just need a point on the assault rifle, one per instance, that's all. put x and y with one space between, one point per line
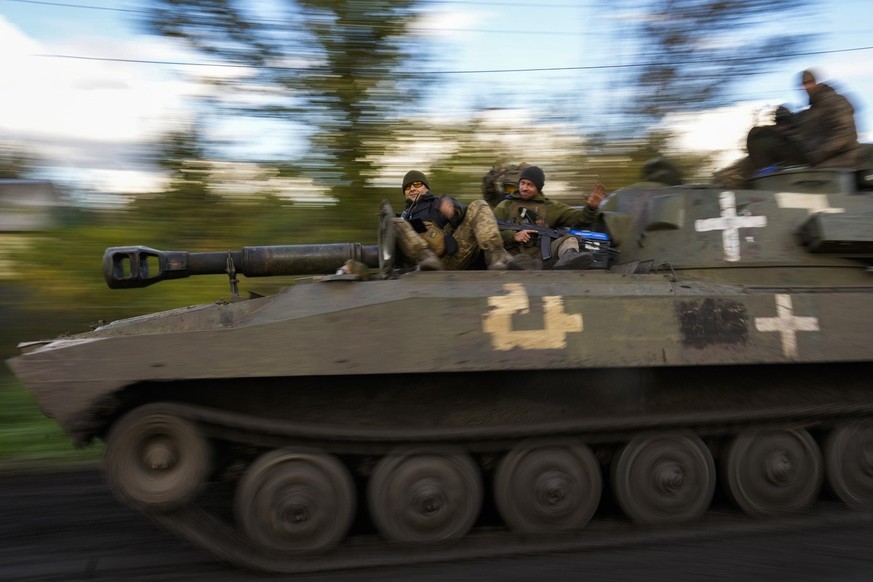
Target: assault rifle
547 235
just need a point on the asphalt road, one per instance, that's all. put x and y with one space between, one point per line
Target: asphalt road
67 526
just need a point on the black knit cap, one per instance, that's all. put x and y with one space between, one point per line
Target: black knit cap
535 175
414 176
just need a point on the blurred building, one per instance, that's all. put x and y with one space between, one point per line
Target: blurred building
26 207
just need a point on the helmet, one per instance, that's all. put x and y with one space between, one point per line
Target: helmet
501 180
662 170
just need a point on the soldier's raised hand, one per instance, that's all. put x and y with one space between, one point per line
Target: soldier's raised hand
598 193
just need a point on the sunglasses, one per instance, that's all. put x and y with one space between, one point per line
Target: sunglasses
414 185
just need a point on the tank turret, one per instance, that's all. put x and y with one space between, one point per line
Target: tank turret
723 356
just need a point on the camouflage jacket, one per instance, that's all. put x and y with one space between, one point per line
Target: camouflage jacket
548 213
826 131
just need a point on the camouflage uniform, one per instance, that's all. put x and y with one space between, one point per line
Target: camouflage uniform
826 131
548 213
822 136
471 229
774 145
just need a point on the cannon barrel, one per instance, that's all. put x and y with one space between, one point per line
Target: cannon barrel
139 266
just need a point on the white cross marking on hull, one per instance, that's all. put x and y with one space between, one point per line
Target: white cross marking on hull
787 324
730 224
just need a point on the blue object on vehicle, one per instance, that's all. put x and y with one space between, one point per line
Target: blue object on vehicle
590 234
767 171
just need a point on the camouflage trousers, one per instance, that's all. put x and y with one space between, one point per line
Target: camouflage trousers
557 247
477 232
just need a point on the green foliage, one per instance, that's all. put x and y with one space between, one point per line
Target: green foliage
15 162
619 164
192 214
27 438
574 163
333 63
189 171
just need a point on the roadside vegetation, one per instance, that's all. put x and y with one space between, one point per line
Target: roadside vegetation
30 440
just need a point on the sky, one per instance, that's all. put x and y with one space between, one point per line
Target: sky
91 119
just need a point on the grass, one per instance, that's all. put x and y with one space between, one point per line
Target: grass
29 439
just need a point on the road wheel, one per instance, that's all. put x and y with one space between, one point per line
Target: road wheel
295 501
548 487
425 495
664 478
848 457
155 461
769 472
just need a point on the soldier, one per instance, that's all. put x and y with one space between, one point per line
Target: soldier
662 171
657 172
775 145
821 136
442 233
527 204
826 129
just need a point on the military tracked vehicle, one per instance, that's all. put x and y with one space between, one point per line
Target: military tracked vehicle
385 416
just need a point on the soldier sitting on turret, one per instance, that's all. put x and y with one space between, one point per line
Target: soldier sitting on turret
528 204
442 233
821 136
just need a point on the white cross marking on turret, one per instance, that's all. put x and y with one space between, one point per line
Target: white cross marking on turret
787 324
730 224
812 203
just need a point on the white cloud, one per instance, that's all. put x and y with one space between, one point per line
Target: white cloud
14 44
72 112
448 22
721 131
127 181
59 98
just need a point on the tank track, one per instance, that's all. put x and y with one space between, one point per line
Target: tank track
201 525
221 539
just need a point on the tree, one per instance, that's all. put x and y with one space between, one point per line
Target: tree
183 157
187 210
333 63
15 162
692 52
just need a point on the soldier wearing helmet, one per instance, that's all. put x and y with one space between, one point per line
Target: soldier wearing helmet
501 181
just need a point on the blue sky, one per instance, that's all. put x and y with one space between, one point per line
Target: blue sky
91 118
